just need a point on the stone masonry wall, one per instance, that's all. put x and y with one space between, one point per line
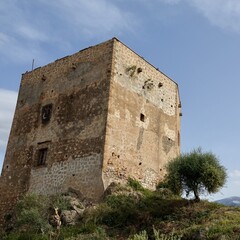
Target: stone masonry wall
76 88
61 176
142 126
100 115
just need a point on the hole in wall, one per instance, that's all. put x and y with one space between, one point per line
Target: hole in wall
139 70
140 164
66 156
162 99
7 166
73 175
142 117
160 169
44 77
74 66
160 85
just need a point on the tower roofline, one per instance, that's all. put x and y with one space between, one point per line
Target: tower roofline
114 38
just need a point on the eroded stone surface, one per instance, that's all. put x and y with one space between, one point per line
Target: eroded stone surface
100 115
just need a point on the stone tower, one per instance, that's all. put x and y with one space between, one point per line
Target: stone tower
100 115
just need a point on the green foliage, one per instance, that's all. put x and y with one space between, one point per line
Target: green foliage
140 236
162 236
157 236
97 234
60 201
134 184
32 214
130 213
121 210
195 172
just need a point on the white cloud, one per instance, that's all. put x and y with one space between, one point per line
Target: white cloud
29 29
7 107
92 17
221 13
170 1
235 174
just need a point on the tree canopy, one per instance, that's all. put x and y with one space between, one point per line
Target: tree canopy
195 172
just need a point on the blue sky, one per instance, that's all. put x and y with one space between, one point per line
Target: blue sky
195 42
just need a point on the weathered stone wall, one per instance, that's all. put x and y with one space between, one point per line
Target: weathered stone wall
143 120
77 89
88 119
64 175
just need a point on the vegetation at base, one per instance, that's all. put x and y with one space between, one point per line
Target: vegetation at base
195 172
130 212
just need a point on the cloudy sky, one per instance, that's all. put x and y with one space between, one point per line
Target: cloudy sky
195 42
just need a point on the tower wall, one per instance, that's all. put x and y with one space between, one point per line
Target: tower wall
58 132
143 120
100 115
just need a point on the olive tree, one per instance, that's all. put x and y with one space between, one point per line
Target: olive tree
195 172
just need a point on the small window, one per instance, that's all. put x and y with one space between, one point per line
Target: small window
42 156
46 113
142 117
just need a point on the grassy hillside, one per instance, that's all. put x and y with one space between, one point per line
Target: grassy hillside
128 212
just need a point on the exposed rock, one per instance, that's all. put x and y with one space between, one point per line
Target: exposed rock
75 213
69 217
55 219
118 189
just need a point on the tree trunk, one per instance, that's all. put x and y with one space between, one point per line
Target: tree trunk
196 195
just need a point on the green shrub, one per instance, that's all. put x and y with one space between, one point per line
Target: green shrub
99 234
60 201
140 236
32 214
170 236
135 185
122 211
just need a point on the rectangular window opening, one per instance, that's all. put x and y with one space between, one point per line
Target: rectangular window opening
46 113
42 156
142 117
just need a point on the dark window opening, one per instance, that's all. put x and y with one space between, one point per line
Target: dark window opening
46 113
142 117
42 156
